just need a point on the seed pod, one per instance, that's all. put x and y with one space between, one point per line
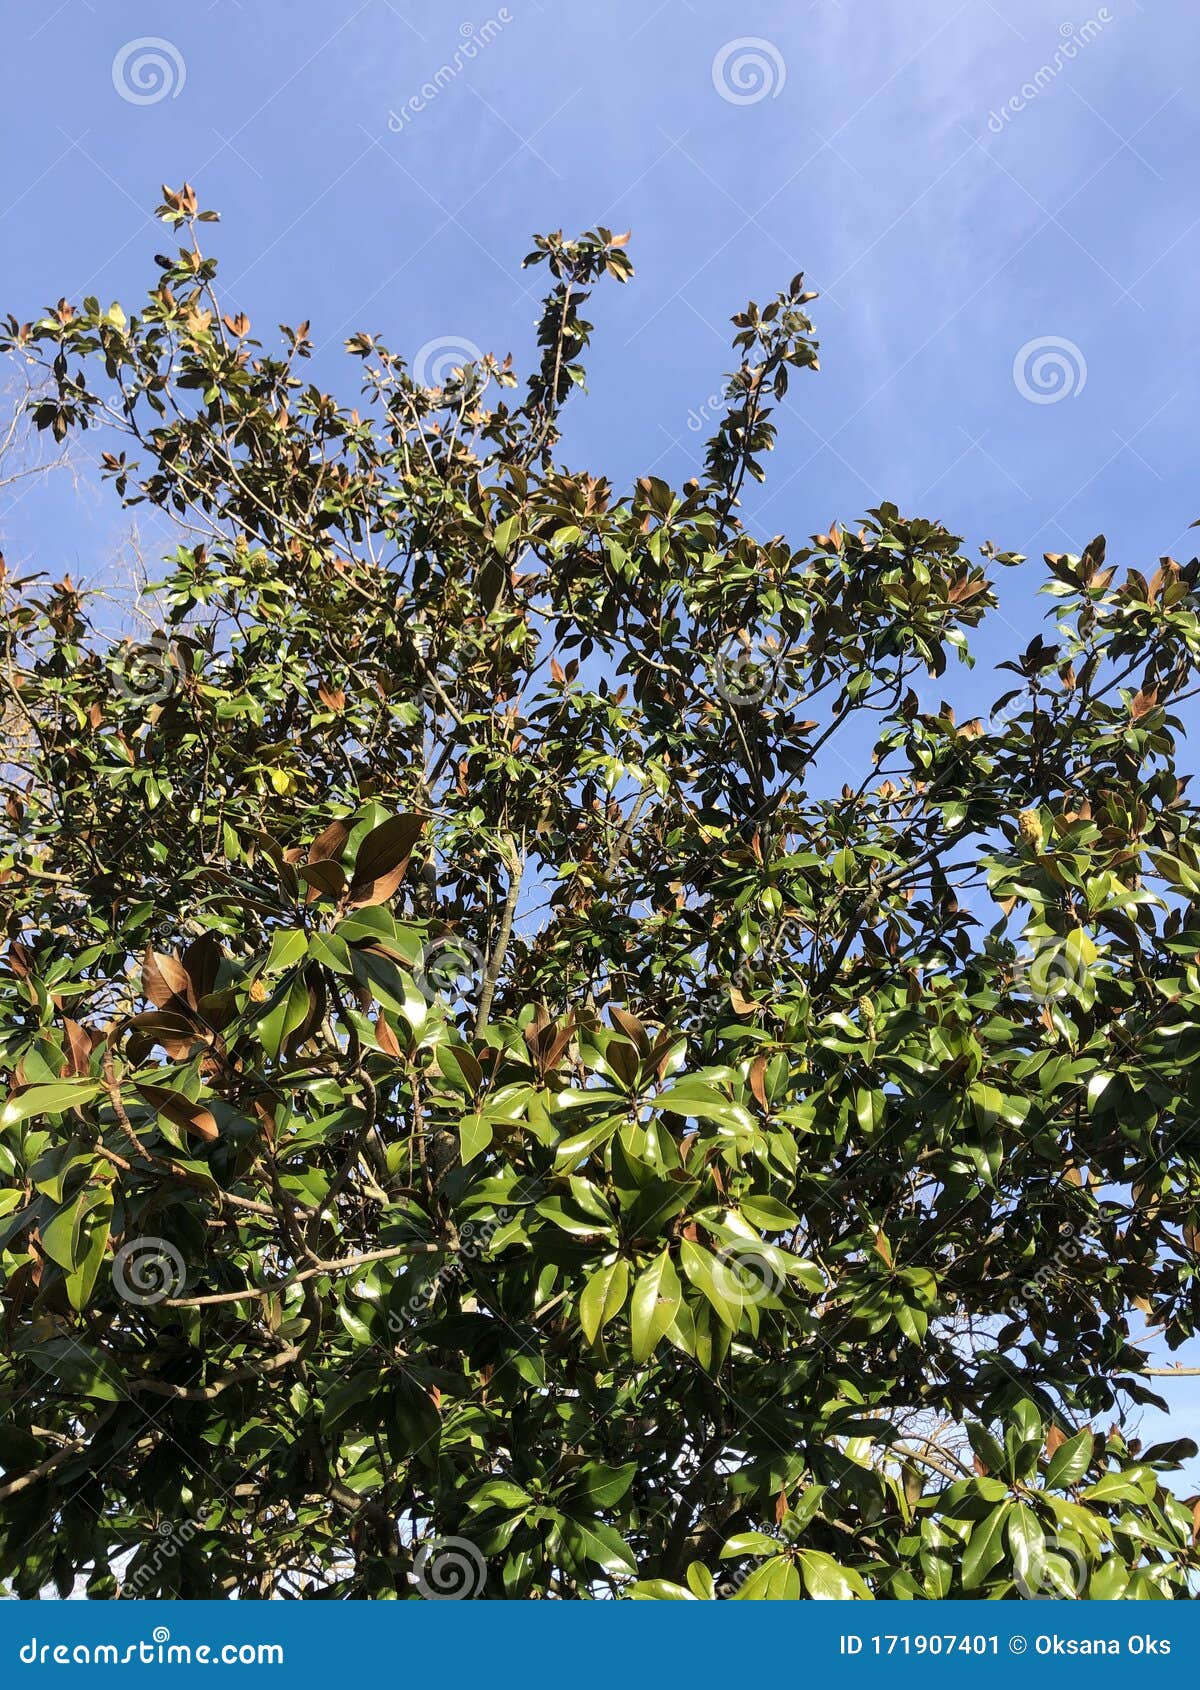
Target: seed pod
1029 827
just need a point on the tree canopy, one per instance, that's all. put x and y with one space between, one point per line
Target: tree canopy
489 1111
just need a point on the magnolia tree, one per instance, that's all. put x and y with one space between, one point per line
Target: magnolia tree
487 1114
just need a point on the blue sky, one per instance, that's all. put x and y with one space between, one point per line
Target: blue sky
871 160
997 201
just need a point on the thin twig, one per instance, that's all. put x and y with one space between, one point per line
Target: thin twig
413 1247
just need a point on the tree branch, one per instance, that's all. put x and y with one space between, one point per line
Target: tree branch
495 963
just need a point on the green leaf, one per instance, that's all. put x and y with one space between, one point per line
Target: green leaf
567 1212
986 1448
603 1297
658 1590
286 1014
505 533
91 1247
288 947
60 1236
700 1582
355 1325
1026 1421
749 1543
576 1147
474 1136
1070 1461
694 1101
501 1493
777 1580
1115 1487
598 1542
1108 1581
604 1486
940 1552
767 1213
80 1367
656 1298
827 1581
914 1323
985 1547
700 1267
26 1102
1025 1538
